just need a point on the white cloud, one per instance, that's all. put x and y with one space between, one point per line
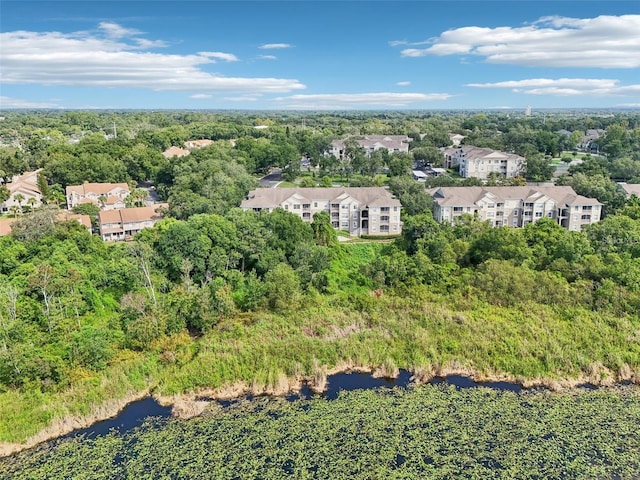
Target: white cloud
356 100
267 57
243 98
629 105
199 96
271 46
403 84
9 102
87 60
227 57
601 42
597 87
114 30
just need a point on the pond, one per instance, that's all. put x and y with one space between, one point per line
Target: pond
136 413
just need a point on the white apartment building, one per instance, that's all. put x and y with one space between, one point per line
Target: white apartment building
108 196
371 143
357 210
516 206
480 162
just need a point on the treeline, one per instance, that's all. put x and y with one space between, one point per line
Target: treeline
596 269
70 302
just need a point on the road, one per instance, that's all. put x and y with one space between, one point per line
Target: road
272 179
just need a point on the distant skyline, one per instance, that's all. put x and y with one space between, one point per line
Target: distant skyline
319 55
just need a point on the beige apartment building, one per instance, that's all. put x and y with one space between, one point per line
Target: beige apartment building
123 224
108 196
372 143
481 162
516 206
357 210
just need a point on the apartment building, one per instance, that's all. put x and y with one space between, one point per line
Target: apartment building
480 162
371 143
124 223
23 191
108 196
357 210
516 206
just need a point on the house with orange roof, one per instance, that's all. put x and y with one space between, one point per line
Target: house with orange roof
197 143
123 224
22 189
108 196
175 152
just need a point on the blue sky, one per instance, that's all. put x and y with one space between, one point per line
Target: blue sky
319 55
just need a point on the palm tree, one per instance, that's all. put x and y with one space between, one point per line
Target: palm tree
18 197
14 210
32 202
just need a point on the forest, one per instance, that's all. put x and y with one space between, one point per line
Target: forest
213 296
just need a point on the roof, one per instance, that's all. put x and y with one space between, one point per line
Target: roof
96 188
25 183
630 188
477 153
272 197
198 143
131 215
175 152
83 219
468 196
377 141
419 174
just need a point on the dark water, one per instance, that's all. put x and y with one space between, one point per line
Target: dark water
134 414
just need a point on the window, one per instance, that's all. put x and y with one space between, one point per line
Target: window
355 224
538 214
286 207
306 215
344 215
335 205
315 204
499 205
296 206
384 228
345 224
374 218
489 214
528 205
550 214
515 212
306 206
384 209
491 205
395 209
587 208
527 214
395 228
515 222
457 209
355 207
585 217
345 207
355 215
384 218
374 209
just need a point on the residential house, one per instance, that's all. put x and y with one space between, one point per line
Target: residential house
23 191
172 152
357 210
372 143
197 143
516 206
630 189
589 142
123 224
456 139
480 162
108 196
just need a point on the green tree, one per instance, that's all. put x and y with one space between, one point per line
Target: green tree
324 234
